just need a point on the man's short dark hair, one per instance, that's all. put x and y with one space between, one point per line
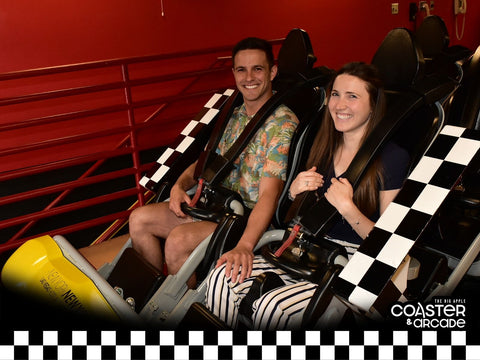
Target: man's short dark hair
253 43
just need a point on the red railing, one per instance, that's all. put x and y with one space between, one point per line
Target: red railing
63 127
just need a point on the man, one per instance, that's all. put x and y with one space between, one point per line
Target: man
258 175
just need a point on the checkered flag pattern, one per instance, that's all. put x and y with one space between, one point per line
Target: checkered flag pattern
394 290
183 141
212 345
370 270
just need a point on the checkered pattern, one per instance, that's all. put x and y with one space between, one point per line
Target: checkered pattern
186 138
213 345
369 272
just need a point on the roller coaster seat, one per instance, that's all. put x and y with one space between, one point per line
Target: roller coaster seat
464 107
409 91
434 40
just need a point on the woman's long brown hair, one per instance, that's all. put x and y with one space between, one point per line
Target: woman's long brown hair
328 139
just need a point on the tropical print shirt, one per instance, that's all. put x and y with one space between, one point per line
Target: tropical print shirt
265 156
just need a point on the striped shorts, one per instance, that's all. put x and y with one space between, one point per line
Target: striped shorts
279 309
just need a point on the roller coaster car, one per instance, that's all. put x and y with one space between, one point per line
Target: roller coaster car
298 85
393 263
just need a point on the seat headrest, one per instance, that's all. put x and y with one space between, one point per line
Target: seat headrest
296 54
399 59
432 36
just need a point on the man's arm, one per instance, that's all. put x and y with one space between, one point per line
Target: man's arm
178 193
258 222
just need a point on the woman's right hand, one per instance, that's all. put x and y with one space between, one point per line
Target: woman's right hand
308 180
177 197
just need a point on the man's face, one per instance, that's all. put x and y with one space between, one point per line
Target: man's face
253 76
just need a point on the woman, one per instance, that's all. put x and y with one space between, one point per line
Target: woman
356 103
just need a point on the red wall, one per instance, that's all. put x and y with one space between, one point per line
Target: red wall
44 33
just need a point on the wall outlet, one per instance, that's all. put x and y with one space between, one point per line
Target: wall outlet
394 8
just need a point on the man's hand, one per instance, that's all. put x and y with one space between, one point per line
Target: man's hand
239 263
178 194
177 197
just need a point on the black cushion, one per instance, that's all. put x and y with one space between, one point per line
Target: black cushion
399 59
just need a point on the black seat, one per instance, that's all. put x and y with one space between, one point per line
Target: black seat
295 63
464 109
414 101
432 36
296 57
434 40
409 92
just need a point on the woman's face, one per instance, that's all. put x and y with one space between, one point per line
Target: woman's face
349 104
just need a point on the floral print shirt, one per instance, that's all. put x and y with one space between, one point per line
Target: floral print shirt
265 156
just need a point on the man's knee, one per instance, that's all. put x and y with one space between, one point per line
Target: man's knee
140 218
135 220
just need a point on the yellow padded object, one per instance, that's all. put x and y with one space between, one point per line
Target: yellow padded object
39 268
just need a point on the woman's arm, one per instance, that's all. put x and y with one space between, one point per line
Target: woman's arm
340 195
308 180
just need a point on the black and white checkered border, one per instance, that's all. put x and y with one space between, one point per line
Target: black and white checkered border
184 140
127 345
371 268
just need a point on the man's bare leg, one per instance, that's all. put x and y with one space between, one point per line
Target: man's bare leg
148 224
182 241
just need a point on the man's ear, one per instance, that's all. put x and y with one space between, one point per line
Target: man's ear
273 72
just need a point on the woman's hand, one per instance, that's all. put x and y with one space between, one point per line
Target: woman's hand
306 181
340 195
238 263
177 197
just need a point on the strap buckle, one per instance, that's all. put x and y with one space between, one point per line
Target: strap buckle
198 193
294 233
